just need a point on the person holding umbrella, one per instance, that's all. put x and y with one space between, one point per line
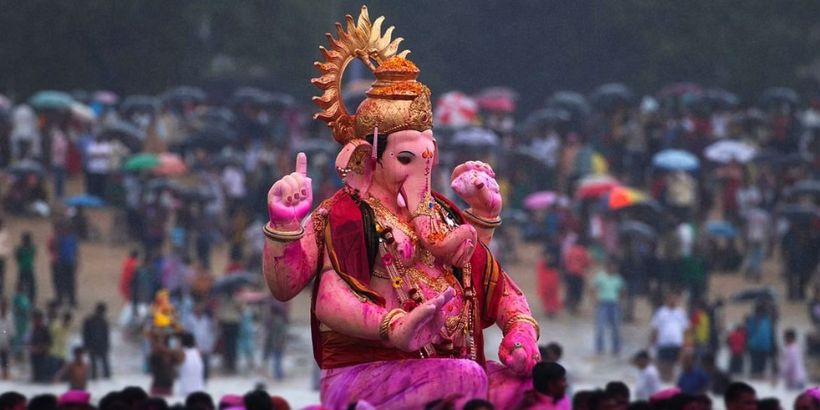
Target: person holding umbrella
576 263
98 166
59 155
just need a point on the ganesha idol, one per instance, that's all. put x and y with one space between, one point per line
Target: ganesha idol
403 280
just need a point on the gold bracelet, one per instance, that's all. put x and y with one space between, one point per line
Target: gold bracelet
482 222
523 318
281 236
387 320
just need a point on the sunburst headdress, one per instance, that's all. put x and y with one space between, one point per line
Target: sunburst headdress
395 101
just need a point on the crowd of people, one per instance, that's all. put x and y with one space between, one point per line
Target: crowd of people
550 391
627 199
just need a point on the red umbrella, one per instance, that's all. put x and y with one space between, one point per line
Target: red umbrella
596 186
501 99
454 109
170 164
622 197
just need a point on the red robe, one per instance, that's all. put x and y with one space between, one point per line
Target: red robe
345 230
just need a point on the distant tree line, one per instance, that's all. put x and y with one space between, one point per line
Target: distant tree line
534 46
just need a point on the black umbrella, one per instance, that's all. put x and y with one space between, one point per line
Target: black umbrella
637 229
139 103
805 187
719 98
219 117
195 194
226 159
755 295
27 167
124 132
649 209
545 117
159 184
778 158
278 100
779 96
247 95
797 212
611 95
184 94
231 282
570 101
212 139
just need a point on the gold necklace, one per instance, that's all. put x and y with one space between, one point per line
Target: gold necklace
386 216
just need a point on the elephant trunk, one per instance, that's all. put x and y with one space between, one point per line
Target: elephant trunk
454 247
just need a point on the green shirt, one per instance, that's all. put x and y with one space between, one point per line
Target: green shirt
607 287
25 258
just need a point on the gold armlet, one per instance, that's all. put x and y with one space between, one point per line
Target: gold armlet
523 318
282 236
387 320
482 222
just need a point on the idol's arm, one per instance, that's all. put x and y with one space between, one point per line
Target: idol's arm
291 253
519 348
342 310
289 266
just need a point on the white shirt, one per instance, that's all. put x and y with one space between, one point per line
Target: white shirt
191 372
234 182
99 157
648 383
686 236
792 369
202 328
670 325
757 226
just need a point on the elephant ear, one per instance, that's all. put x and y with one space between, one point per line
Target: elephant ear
355 165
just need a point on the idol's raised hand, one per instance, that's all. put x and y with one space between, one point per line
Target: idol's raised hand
291 197
474 182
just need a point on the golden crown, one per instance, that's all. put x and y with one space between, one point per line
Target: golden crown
395 101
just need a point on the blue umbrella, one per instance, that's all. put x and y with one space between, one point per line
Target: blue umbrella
44 100
721 229
675 160
84 200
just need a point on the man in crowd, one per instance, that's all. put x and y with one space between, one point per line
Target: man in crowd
66 259
549 387
39 346
96 341
740 396
669 324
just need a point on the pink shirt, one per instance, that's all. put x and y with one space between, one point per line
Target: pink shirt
59 149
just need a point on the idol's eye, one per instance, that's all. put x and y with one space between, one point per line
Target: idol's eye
405 157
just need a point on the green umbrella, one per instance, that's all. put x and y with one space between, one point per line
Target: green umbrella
141 162
45 100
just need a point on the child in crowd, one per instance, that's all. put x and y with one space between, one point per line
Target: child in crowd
549 285
75 371
737 348
649 381
792 369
